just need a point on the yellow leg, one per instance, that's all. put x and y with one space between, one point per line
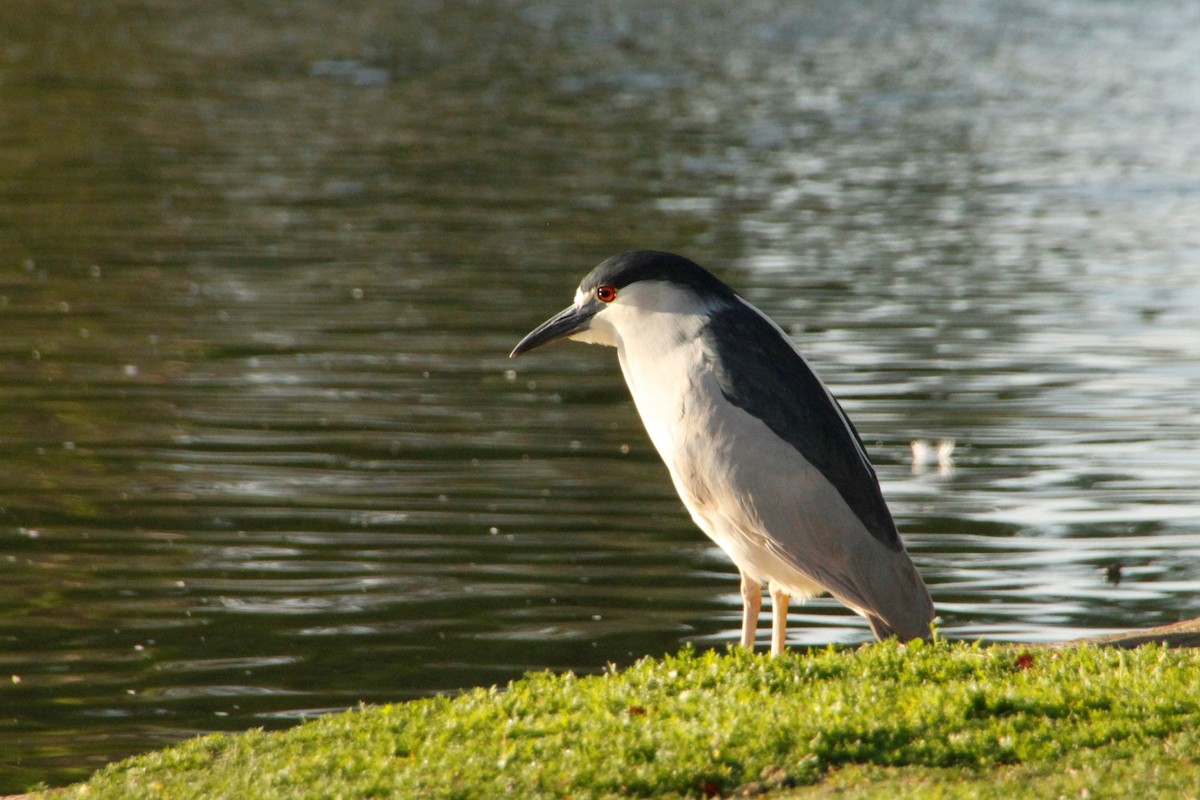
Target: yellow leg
751 603
779 609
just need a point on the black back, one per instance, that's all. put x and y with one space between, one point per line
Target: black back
761 373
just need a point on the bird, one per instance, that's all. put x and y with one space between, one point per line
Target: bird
941 453
761 453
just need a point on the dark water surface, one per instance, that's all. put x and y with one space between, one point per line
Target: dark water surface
263 454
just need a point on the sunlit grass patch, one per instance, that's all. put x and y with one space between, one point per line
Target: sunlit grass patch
882 720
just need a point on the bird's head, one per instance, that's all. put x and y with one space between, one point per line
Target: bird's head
619 298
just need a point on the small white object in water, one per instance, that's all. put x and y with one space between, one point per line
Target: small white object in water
925 453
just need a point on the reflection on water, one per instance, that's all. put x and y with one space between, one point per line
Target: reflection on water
264 455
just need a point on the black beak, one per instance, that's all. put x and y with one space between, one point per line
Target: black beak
561 325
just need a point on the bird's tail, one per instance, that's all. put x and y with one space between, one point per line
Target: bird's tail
883 630
913 620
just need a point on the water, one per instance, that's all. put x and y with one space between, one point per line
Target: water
263 455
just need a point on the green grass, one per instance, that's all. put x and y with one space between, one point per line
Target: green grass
941 720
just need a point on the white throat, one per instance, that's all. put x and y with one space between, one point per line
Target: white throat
655 327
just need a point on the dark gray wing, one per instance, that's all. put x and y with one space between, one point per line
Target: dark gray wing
760 372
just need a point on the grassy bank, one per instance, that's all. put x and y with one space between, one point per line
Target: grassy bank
943 720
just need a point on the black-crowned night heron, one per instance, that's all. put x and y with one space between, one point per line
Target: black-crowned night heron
761 453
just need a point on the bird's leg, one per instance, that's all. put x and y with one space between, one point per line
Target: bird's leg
751 603
779 608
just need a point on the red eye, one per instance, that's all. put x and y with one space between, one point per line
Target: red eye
606 294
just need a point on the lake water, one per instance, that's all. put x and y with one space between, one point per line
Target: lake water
263 454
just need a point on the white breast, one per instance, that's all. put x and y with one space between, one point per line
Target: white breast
675 393
662 363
